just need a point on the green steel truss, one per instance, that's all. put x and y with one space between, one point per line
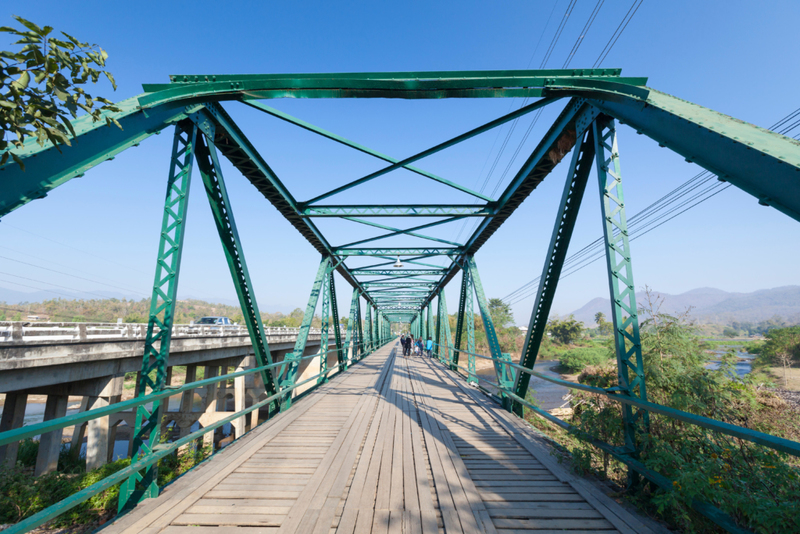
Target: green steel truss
147 430
624 311
591 100
580 167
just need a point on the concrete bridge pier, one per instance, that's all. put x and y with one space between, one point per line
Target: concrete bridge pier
13 417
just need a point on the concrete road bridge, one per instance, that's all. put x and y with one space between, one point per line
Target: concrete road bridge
88 362
380 443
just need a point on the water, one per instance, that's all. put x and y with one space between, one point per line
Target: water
547 394
743 366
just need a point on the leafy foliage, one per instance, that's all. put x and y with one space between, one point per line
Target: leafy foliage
565 331
755 485
577 359
782 347
41 86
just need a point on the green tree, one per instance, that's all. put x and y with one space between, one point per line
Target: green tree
603 327
565 331
501 313
41 86
783 347
730 332
134 318
344 321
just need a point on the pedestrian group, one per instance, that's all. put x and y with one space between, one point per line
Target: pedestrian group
418 346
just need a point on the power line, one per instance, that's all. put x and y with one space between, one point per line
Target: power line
618 32
67 274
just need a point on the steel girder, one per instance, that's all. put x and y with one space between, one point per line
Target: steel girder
147 427
462 303
291 362
580 167
624 311
399 210
351 335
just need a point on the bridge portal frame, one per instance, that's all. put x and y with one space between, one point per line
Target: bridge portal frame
735 151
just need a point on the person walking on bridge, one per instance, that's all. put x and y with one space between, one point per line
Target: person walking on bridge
403 343
429 348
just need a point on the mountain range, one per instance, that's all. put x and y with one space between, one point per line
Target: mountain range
710 305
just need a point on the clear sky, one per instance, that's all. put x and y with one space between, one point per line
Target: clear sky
737 57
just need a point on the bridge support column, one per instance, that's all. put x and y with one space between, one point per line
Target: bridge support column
578 176
292 360
624 311
240 398
99 440
505 375
147 426
210 402
351 336
50 443
13 417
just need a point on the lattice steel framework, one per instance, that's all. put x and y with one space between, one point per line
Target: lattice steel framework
735 151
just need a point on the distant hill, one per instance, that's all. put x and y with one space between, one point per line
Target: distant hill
710 305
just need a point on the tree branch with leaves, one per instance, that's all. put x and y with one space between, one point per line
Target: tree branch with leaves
41 87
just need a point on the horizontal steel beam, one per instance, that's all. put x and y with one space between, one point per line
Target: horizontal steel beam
401 272
397 251
397 210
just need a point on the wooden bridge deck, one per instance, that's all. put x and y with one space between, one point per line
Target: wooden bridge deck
395 445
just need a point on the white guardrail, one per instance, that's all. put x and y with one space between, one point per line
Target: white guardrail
37 332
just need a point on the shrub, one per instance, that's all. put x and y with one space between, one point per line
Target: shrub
577 359
755 485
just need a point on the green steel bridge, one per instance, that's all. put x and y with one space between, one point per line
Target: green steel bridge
359 453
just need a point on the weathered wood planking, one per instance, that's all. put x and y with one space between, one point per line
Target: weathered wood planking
395 445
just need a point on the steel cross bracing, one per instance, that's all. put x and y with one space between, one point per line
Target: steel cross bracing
737 152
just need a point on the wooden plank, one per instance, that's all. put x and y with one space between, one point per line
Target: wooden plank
544 513
469 494
239 520
596 524
380 522
323 479
620 518
354 515
239 509
217 530
157 513
456 513
396 484
387 443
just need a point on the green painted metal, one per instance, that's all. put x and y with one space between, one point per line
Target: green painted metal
737 152
398 210
147 430
462 303
325 321
401 231
578 176
337 331
396 251
430 322
469 320
351 336
368 329
441 146
339 139
221 209
505 375
292 360
361 342
402 272
620 280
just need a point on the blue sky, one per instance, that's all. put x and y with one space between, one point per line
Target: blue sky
736 57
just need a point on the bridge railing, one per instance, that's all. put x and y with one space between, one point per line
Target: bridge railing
38 332
164 449
444 354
